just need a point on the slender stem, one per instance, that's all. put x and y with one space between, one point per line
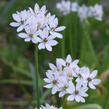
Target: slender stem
37 77
63 41
90 44
75 38
63 47
70 35
63 102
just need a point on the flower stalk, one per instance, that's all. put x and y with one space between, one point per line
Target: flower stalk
37 77
88 40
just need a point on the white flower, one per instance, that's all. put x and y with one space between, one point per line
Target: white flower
47 106
89 78
38 10
46 41
69 73
37 21
77 93
30 35
54 68
67 62
96 11
20 18
83 12
52 27
64 7
63 85
52 80
75 7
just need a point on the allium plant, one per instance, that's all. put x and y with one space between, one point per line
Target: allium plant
95 11
41 28
68 78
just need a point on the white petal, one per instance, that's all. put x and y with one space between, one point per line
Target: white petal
36 8
54 90
82 99
22 35
95 81
45 32
41 46
77 98
68 59
56 21
55 34
93 74
20 28
92 86
70 91
48 86
53 42
52 66
61 28
48 47
51 37
60 61
31 10
43 9
14 24
16 17
70 98
47 80
27 39
75 62
34 41
37 38
50 75
61 94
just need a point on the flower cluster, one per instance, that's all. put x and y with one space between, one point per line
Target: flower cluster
68 78
83 11
38 26
47 106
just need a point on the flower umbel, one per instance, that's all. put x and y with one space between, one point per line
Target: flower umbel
68 78
38 26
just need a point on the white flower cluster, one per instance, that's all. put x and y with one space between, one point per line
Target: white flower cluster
68 78
47 106
38 26
83 11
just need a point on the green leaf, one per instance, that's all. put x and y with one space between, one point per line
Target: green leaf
89 106
15 81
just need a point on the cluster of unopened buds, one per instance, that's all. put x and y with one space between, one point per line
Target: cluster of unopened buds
38 26
68 78
83 11
47 106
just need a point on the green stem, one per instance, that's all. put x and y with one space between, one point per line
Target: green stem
63 47
63 42
20 103
70 34
90 44
37 78
15 81
63 102
75 39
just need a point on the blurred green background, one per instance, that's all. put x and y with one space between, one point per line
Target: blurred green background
90 44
